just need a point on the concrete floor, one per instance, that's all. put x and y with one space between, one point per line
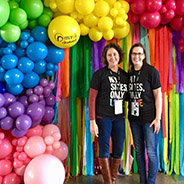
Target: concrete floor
133 179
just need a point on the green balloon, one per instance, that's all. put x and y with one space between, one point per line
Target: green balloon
10 33
4 12
32 23
48 12
17 16
33 8
24 25
13 4
44 20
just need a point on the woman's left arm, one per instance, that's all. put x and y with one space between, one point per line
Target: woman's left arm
158 104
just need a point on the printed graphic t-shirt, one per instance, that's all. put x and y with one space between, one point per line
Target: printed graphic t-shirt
110 86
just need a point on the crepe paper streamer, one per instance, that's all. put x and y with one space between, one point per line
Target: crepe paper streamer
151 41
135 168
136 33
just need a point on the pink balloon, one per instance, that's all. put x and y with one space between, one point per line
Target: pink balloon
50 129
132 17
45 164
62 151
150 20
167 17
1 179
11 178
49 140
182 32
6 167
37 130
5 147
154 5
171 5
35 146
180 7
20 171
163 9
177 23
17 163
138 6
22 156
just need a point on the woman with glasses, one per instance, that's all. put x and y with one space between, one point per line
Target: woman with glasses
145 106
106 113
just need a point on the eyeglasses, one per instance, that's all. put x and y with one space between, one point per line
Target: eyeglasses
137 54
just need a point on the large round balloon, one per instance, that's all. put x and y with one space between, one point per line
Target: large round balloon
64 31
45 164
9 61
14 89
25 65
16 109
65 6
4 12
31 79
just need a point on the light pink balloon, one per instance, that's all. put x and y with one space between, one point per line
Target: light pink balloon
6 167
11 178
37 130
35 146
49 140
61 152
50 129
153 5
20 171
45 164
5 147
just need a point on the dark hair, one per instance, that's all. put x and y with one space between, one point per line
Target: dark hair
116 47
130 59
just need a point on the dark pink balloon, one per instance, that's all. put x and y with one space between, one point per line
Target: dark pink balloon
50 100
16 109
138 7
154 5
24 100
35 111
132 17
44 82
180 7
163 9
5 147
3 112
177 23
33 98
171 5
7 123
150 20
23 122
2 100
12 178
9 98
38 90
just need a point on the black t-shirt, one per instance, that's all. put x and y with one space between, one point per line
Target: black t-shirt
110 86
141 86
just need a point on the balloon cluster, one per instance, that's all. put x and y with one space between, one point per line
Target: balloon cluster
103 18
17 16
23 61
151 13
18 155
34 107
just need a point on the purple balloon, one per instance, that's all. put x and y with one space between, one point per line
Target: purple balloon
7 123
2 100
18 133
9 98
41 97
50 100
51 85
33 98
23 122
49 114
44 82
29 92
16 109
35 111
3 112
42 102
24 100
46 91
35 123
38 90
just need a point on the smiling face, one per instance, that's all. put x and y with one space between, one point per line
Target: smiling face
113 58
137 57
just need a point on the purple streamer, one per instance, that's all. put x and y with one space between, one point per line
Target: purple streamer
97 48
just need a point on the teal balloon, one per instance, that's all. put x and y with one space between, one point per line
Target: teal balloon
10 33
13 76
30 80
4 12
17 16
33 8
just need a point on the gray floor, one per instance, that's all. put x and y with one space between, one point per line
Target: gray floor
133 179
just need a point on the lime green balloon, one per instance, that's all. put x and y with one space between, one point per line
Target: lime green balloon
4 12
33 8
32 23
13 4
48 12
24 25
17 16
44 20
10 33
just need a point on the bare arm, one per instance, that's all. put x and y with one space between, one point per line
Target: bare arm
158 104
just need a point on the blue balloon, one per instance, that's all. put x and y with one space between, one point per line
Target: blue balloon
24 44
49 72
12 46
50 66
40 67
39 33
14 89
20 52
25 65
2 69
55 55
14 76
30 80
9 61
2 76
24 35
36 51
7 50
56 68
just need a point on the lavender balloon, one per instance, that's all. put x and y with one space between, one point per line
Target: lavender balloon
29 92
7 123
2 100
3 112
49 114
16 109
24 100
38 90
9 98
46 91
51 85
50 100
33 98
23 122
44 82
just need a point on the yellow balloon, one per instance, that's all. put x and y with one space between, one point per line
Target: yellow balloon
53 5
101 8
121 32
110 2
108 35
74 14
105 23
90 20
120 21
84 30
65 6
125 5
64 31
95 34
114 12
85 7
117 5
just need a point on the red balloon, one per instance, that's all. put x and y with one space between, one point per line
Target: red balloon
180 7
177 23
154 5
138 7
171 5
170 14
132 17
182 32
150 20
163 9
